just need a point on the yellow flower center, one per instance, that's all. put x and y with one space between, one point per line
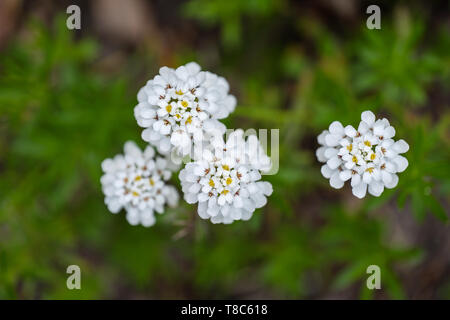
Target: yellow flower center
225 191
370 170
225 167
350 147
229 181
367 143
152 182
134 193
184 103
179 92
169 108
138 178
189 120
355 159
372 156
211 183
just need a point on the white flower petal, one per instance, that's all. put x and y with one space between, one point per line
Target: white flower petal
360 190
401 146
335 181
376 188
368 117
401 162
334 162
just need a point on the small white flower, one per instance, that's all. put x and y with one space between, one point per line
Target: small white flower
367 156
136 181
225 181
181 107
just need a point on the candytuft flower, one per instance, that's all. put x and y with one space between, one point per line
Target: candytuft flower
136 181
367 156
225 181
181 107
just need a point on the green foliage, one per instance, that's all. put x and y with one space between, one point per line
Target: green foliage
231 14
61 114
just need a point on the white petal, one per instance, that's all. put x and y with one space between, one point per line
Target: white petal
237 202
259 200
132 149
360 190
114 206
389 132
108 165
350 131
368 117
332 140
363 127
378 129
326 171
386 177
330 152
182 73
367 177
320 154
265 187
193 68
401 162
321 137
401 146
334 162
202 207
335 181
393 182
356 179
221 201
345 175
202 197
336 128
376 188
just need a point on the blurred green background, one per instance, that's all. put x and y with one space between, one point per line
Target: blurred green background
66 103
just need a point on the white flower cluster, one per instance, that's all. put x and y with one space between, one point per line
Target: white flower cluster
180 110
225 180
181 107
136 181
367 155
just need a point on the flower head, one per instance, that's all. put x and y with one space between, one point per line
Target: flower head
136 181
367 156
181 107
225 181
